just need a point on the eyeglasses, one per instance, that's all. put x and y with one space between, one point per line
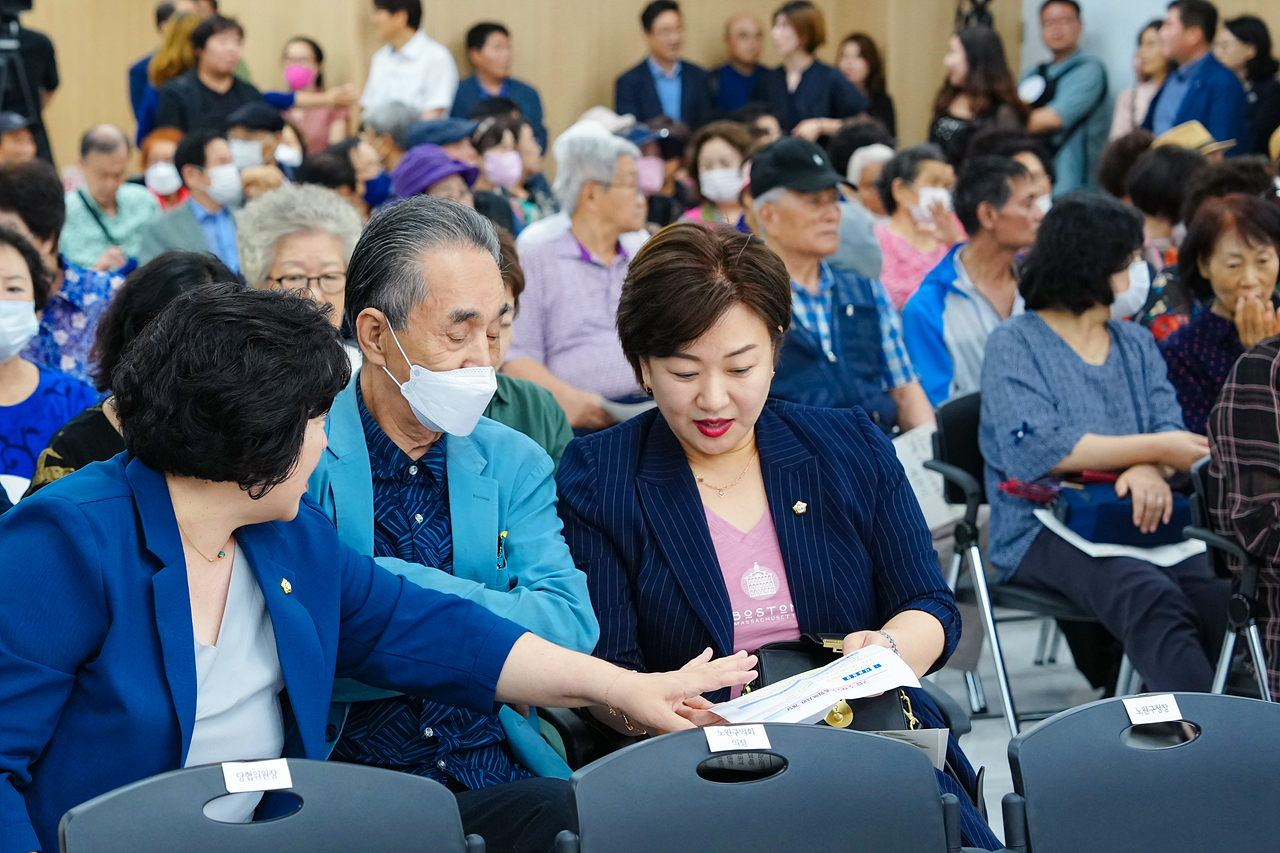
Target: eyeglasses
331 282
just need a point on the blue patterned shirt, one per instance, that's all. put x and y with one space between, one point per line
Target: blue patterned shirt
411 521
70 320
813 312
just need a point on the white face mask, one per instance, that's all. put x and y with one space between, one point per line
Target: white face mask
721 185
245 153
224 183
162 178
1045 202
449 401
287 155
929 196
1131 300
18 325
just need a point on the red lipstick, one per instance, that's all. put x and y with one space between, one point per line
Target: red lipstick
714 428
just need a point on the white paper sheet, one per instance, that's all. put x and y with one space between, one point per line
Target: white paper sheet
626 411
914 447
1165 555
807 697
932 741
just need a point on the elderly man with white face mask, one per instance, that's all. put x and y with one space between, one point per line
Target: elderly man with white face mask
414 476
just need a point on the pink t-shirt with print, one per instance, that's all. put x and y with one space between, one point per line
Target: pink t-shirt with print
751 563
904 266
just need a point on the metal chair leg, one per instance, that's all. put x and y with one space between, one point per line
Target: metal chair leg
1129 681
1224 662
953 576
1043 643
1259 660
1054 643
989 623
977 696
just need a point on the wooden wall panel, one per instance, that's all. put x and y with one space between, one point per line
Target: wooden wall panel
570 49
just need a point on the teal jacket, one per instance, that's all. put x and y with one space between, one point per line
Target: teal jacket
499 481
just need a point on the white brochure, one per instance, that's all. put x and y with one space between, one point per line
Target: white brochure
807 697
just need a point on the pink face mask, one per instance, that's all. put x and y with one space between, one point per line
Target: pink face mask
505 169
651 174
299 77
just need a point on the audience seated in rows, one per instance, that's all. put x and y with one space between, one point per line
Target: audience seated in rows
974 288
426 464
159 174
429 170
1027 149
32 203
565 338
93 435
1065 388
386 128
1229 263
844 347
1155 186
451 134
205 223
714 159
663 84
34 400
106 217
686 519
489 51
915 187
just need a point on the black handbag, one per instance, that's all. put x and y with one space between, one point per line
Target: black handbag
888 712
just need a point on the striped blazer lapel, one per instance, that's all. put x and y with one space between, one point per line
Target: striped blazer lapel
671 505
793 483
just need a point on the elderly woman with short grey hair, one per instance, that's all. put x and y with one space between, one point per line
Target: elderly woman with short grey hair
299 237
565 339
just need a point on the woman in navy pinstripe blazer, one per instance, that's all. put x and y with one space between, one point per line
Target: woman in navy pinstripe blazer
724 520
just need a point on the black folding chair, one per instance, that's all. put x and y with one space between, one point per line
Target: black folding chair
1244 600
815 789
958 458
1089 780
344 807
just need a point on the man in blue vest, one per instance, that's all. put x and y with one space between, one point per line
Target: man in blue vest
845 346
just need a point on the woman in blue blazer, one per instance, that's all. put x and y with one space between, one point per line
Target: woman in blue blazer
157 605
724 519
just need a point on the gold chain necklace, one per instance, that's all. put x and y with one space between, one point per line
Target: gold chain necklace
192 543
722 489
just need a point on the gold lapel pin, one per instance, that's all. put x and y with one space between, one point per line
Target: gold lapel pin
286 586
800 507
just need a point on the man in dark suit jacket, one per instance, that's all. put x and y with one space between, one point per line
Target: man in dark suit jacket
1201 88
663 84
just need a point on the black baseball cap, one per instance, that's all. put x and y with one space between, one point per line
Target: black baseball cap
794 163
9 122
256 115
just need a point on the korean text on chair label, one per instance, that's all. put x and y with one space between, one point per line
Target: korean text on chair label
726 738
1160 708
243 776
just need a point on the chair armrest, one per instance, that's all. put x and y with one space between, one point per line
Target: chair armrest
956 717
972 488
1014 809
1248 563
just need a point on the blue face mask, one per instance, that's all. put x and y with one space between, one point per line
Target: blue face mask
378 190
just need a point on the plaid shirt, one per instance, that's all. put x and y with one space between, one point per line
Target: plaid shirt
813 312
1244 479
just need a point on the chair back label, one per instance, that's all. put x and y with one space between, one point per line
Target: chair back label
243 777
726 738
1158 708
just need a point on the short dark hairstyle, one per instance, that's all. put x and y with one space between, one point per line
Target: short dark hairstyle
1117 159
191 150
806 19
1084 239
493 107
316 51
103 139
654 9
40 282
411 8
985 180
1072 3
210 27
855 134
997 141
1198 13
512 272
330 168
146 291
164 11
256 115
1158 181
750 113
221 384
1253 31
478 35
34 192
1256 221
1253 175
686 277
490 132
906 165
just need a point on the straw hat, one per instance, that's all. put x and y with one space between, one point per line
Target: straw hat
1193 135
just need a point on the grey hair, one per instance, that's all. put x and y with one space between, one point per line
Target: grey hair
588 153
103 139
394 119
774 195
285 211
386 268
